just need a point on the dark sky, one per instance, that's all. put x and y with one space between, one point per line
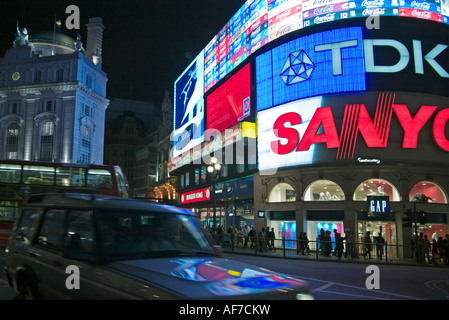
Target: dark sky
144 41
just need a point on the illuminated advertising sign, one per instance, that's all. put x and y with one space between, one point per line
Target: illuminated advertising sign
377 205
391 126
196 195
312 4
356 59
189 107
310 66
421 14
283 17
327 9
274 154
231 102
286 16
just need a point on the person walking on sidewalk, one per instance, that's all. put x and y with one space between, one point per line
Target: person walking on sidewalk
380 241
338 244
367 245
271 238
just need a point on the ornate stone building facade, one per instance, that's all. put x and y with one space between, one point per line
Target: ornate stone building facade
53 97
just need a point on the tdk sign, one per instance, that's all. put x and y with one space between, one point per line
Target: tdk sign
337 61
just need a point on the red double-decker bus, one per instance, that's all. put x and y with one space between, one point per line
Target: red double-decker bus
19 178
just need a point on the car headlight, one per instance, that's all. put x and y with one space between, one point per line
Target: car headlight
304 296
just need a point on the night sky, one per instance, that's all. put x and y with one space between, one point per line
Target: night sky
144 42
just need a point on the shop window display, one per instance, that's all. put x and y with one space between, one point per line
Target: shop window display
282 192
376 187
324 190
429 189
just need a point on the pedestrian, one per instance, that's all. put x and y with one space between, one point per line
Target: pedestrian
320 240
305 247
220 235
327 242
262 240
350 245
426 248
300 243
367 245
435 252
338 244
245 236
445 246
251 235
380 241
272 237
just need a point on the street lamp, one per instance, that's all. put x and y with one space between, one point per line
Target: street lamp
214 168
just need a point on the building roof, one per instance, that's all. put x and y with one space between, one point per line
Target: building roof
50 38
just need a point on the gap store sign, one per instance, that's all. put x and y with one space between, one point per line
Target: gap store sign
355 59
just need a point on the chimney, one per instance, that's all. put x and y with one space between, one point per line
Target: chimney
94 40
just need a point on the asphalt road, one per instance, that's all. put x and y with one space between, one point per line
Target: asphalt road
356 281
343 281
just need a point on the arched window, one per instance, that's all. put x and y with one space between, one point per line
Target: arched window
12 141
376 187
282 192
429 189
46 146
324 190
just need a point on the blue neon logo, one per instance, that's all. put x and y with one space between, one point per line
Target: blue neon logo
321 63
297 68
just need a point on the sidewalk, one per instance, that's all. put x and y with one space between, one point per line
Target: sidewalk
291 254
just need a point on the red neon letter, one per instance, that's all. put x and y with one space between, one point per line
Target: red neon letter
325 117
368 130
287 133
412 126
439 126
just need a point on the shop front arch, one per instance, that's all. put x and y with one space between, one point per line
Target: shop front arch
282 192
324 190
376 187
431 190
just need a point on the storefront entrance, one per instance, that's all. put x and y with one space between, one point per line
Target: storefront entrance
386 228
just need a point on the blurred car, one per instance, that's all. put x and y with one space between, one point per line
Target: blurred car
83 246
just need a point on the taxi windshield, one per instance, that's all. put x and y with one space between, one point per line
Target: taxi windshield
134 235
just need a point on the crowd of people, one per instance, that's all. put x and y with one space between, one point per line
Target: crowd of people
424 250
433 251
244 236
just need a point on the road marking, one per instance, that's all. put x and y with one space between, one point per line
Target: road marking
327 285
434 285
373 292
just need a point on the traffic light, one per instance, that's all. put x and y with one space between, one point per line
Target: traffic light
422 217
407 219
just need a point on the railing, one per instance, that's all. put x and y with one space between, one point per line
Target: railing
330 250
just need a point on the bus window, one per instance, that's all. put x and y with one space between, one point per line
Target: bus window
122 183
99 178
38 175
71 176
10 173
8 210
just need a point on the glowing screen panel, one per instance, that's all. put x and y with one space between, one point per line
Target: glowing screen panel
189 107
231 102
321 63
